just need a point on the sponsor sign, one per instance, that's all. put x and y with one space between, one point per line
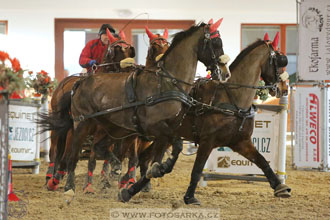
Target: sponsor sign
22 132
308 127
314 40
265 140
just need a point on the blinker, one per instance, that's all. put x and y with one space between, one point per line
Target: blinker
282 60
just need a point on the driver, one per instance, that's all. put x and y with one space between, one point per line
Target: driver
94 49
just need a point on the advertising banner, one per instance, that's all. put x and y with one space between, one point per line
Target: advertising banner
265 139
307 127
314 40
22 132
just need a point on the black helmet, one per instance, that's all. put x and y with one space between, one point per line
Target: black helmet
103 29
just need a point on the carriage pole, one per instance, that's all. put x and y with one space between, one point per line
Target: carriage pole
284 101
3 154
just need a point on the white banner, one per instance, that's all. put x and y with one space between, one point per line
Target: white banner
307 127
264 138
22 132
314 40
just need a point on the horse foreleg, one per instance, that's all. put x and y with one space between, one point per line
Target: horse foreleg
53 182
130 146
114 161
58 144
203 153
89 177
144 158
52 155
159 170
79 136
246 149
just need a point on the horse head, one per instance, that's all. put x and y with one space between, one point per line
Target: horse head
157 48
273 72
211 52
118 50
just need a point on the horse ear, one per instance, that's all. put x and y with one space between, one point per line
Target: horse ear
150 35
122 35
210 21
276 40
266 37
111 37
215 26
165 34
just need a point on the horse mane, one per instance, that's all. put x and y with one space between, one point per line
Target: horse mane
244 52
178 37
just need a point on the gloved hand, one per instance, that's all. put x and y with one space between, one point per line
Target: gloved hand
92 62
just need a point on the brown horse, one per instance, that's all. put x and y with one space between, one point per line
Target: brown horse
132 146
117 50
158 47
158 108
224 116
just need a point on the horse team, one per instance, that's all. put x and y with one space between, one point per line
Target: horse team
140 111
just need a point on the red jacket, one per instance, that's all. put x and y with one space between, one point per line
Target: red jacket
93 50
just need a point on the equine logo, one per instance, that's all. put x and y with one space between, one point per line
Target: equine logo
312 19
224 162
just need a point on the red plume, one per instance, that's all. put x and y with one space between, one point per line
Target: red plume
276 40
266 37
165 34
122 35
210 21
214 27
150 35
111 37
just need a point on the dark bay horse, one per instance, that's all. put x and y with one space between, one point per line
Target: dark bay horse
132 146
117 51
224 116
158 109
158 46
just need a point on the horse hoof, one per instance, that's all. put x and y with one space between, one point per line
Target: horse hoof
282 191
191 201
147 188
155 170
51 186
123 195
89 189
69 196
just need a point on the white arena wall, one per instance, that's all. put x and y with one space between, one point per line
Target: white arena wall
31 23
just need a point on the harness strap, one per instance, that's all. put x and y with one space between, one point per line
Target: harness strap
149 101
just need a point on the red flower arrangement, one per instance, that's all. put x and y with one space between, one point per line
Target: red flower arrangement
41 83
11 78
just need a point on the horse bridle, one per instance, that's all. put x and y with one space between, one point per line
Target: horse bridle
214 66
159 39
111 54
273 59
155 41
207 42
112 46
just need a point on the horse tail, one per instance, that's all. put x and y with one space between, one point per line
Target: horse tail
59 122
